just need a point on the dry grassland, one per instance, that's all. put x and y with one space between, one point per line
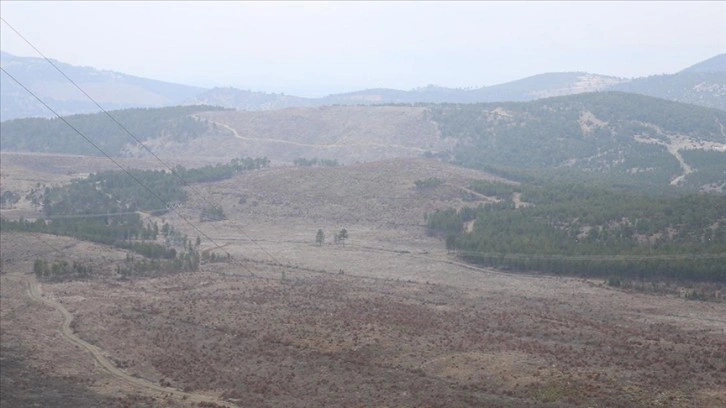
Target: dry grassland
386 320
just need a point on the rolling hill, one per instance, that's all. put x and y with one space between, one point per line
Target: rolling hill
714 64
701 84
112 90
631 138
538 86
614 137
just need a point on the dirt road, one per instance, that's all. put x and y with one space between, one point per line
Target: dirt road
320 146
35 293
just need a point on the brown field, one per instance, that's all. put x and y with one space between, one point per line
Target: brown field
387 320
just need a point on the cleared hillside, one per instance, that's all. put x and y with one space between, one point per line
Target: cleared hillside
345 133
376 193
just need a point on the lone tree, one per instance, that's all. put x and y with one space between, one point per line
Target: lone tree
320 237
341 236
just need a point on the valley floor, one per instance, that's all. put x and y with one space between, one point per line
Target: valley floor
387 320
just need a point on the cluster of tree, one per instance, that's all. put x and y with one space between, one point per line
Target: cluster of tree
221 171
338 237
572 229
211 256
172 237
302 162
114 192
138 190
127 232
151 250
60 270
9 198
212 213
156 259
107 230
54 135
184 262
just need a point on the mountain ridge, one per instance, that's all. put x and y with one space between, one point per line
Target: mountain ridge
702 84
111 89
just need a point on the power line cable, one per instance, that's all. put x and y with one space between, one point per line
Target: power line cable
125 129
136 179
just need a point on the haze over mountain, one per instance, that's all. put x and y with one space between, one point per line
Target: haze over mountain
715 64
702 84
112 90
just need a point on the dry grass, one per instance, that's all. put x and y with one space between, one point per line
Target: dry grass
404 325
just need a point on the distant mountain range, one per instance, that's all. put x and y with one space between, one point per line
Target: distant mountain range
702 84
112 90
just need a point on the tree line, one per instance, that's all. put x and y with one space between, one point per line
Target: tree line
104 208
589 231
54 135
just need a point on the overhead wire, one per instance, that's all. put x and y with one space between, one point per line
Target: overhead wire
127 131
134 178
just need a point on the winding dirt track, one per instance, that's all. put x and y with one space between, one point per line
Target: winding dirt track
36 294
321 146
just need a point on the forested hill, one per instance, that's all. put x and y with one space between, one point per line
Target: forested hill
626 138
55 136
587 231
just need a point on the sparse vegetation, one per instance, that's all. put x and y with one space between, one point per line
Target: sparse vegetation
402 315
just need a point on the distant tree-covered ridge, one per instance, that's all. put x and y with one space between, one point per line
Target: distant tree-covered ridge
55 136
627 138
572 229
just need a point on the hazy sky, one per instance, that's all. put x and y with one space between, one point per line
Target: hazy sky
316 48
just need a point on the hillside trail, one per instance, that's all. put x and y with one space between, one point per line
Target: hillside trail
673 146
322 146
36 294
